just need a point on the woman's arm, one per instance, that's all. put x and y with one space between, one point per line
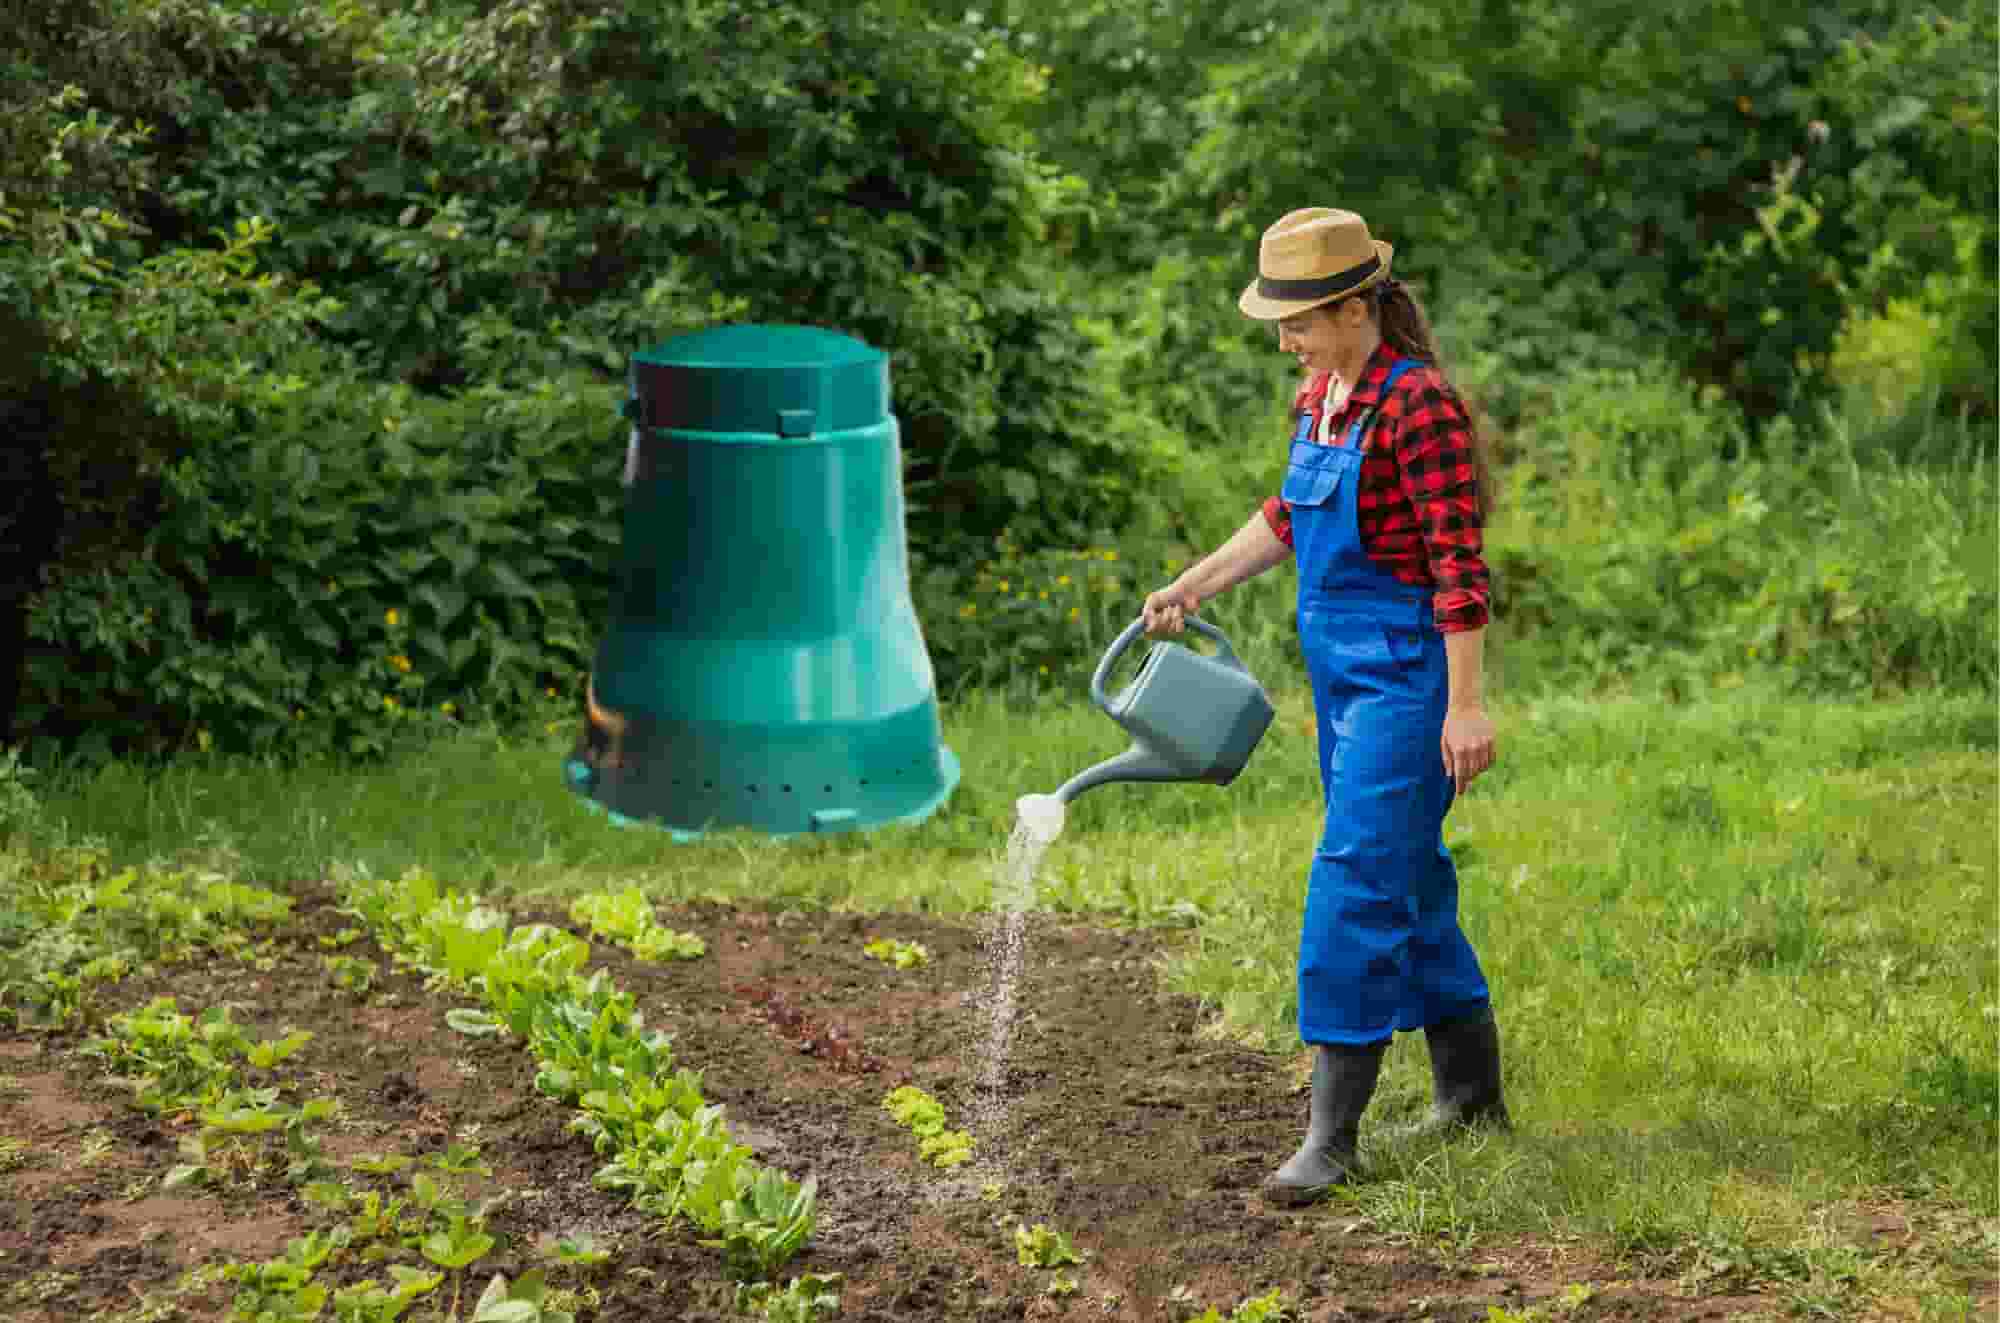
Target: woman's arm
1467 740
1250 551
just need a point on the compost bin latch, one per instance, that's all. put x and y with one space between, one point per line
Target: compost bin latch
795 422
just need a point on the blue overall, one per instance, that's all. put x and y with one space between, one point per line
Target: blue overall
1381 948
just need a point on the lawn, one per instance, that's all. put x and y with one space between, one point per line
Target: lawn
1743 952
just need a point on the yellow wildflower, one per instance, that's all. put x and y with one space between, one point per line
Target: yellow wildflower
392 616
1072 613
1111 555
448 708
1045 594
389 701
1045 670
203 738
1062 581
1003 585
401 663
968 611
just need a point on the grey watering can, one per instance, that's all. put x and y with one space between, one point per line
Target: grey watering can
1191 718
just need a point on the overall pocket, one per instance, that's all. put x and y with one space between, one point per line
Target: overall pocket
1309 486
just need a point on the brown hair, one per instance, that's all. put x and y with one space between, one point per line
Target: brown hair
1407 331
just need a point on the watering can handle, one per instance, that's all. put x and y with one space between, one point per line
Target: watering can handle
1134 630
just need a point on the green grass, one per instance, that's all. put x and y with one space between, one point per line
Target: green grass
1743 951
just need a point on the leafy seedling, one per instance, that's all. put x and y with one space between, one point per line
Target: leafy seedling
580 1252
764 1229
1267 1308
661 943
463 1243
1042 1246
526 1301
923 1115
903 955
475 1023
627 918
379 1164
351 973
803 1300
459 1159
367 1302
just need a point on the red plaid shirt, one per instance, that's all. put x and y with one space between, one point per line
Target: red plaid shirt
1417 502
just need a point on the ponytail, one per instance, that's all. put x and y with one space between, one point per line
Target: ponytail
1407 331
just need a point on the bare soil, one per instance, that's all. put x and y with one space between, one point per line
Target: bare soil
1126 1127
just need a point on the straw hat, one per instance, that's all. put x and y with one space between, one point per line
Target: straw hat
1312 256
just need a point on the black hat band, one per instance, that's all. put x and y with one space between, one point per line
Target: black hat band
1292 291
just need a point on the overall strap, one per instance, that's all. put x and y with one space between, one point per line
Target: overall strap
1357 435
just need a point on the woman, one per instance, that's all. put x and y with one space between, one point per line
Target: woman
1383 502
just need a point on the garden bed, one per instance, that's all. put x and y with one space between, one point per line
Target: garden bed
1126 1128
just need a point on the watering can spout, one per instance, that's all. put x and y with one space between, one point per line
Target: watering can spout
1131 765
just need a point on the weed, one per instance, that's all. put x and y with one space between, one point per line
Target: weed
14 1153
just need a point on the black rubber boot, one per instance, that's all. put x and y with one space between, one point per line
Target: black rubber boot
1465 1075
1343 1081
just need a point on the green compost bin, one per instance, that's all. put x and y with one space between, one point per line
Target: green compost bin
763 667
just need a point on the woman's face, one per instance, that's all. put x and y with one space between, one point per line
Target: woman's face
1318 336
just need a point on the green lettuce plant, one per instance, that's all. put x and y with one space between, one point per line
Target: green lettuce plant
924 1117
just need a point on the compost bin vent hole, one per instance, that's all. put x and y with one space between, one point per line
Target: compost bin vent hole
788 790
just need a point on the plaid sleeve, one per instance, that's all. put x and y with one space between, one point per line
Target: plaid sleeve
1434 460
1279 516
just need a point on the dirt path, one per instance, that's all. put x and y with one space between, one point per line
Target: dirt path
1124 1127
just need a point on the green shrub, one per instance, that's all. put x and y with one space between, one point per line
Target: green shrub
368 559
1635 551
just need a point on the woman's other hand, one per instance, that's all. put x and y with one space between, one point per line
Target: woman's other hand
1467 744
1167 610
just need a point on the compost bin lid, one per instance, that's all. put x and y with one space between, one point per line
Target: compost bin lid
786 380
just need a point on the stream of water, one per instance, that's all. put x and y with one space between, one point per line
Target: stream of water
1038 822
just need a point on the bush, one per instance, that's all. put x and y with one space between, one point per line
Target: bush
1636 553
370 559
